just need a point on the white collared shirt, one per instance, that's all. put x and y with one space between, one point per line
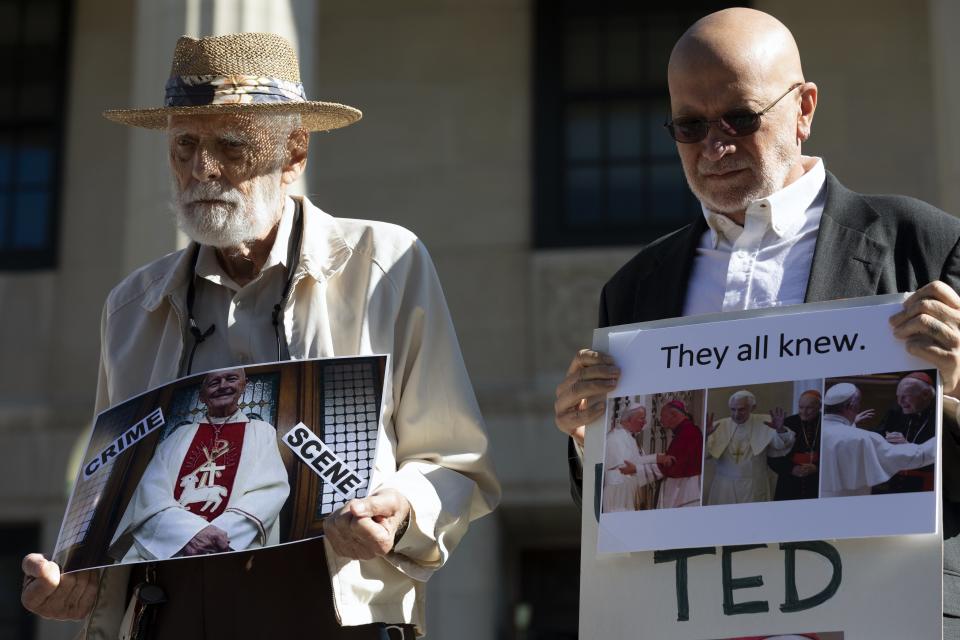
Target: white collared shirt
766 262
242 315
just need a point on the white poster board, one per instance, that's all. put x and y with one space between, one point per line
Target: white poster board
885 587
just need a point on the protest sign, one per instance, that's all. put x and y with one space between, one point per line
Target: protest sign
223 461
746 573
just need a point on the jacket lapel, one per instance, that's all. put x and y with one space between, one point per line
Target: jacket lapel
669 274
850 250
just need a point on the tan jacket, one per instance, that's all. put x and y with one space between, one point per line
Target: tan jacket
360 287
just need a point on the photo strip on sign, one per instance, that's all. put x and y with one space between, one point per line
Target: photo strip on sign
213 450
804 425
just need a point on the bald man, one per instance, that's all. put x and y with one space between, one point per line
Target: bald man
775 228
798 472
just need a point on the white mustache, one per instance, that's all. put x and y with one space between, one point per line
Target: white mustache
210 191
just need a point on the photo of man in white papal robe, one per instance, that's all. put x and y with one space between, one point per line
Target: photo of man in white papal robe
212 486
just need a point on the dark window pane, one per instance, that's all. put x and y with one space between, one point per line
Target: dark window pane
583 133
42 22
6 220
661 33
625 130
6 161
661 144
625 188
8 104
9 19
37 100
623 55
583 200
34 163
16 540
31 214
581 59
669 197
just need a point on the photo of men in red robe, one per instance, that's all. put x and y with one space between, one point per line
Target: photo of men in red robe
684 464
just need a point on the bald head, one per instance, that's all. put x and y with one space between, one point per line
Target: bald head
731 64
744 45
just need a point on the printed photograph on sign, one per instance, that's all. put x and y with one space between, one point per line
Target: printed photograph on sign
653 453
829 635
763 442
879 434
227 460
800 441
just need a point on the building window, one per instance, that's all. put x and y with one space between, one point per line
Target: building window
34 44
606 170
16 541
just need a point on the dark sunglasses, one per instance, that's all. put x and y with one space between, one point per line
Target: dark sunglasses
735 124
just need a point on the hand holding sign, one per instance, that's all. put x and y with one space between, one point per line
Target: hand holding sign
364 529
581 397
49 594
930 324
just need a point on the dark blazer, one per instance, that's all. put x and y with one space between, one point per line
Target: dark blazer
866 245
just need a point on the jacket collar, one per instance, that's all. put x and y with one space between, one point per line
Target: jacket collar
322 255
851 248
670 268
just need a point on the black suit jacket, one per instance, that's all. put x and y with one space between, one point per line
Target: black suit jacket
866 245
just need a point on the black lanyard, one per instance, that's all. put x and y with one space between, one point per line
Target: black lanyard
293 260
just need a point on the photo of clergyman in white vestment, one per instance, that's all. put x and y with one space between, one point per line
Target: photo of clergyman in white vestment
739 446
212 486
626 467
855 459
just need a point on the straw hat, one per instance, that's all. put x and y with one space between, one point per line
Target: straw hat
237 73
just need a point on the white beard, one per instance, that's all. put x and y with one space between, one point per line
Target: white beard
770 176
238 220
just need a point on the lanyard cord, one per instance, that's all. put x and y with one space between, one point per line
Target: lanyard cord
293 260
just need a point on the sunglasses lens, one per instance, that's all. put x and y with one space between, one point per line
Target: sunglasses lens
689 130
740 124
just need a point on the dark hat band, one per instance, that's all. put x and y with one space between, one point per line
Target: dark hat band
192 91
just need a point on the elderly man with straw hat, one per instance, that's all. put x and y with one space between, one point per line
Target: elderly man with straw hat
270 277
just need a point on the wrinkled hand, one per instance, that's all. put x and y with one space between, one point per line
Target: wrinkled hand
582 395
776 420
210 539
627 468
864 415
804 470
665 461
366 528
930 324
895 437
49 594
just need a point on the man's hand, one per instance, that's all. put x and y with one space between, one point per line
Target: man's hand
930 324
210 539
804 470
49 594
866 414
776 420
627 468
665 461
582 394
366 528
895 437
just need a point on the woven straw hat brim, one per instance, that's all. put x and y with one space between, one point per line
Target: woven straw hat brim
316 116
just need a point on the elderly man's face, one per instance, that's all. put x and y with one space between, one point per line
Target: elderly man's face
635 421
727 173
226 177
913 396
671 417
221 392
740 409
809 407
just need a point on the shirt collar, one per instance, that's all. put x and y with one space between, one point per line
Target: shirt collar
208 267
238 416
783 212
